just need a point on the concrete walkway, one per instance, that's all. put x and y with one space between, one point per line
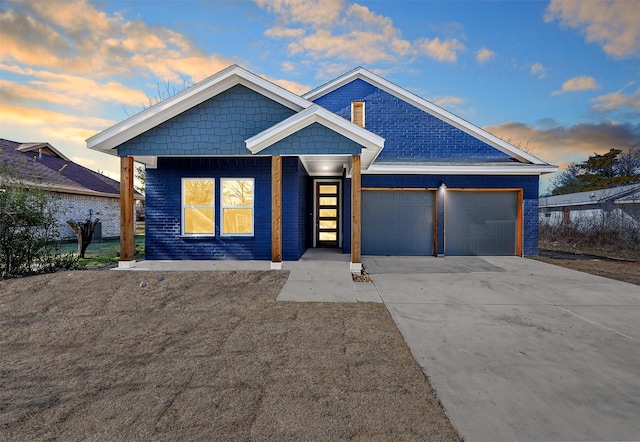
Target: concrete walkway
321 275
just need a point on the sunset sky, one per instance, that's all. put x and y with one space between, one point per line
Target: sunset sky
561 77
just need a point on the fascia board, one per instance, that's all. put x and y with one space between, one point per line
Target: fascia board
421 103
190 97
314 114
462 170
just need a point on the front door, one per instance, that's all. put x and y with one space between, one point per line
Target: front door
327 213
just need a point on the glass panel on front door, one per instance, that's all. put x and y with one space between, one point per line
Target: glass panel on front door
327 214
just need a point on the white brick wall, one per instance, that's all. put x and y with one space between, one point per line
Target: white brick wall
77 208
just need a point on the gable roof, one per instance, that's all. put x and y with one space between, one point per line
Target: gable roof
315 114
57 171
427 106
188 98
620 194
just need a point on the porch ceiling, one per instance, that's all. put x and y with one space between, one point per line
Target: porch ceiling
322 165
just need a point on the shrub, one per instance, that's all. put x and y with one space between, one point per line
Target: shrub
29 240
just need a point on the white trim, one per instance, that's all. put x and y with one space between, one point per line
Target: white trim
315 114
190 97
355 267
126 264
421 103
364 119
30 147
150 162
252 207
183 207
276 265
461 170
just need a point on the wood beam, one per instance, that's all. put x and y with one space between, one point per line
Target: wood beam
127 230
356 263
276 212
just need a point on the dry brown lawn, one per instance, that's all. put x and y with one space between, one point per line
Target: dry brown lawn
618 264
91 355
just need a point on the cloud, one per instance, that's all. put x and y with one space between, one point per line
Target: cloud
484 55
615 101
291 86
37 117
573 143
75 38
315 12
441 50
581 83
538 70
448 101
287 66
612 23
334 29
279 32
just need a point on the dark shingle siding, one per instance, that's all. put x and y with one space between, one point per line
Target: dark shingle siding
218 126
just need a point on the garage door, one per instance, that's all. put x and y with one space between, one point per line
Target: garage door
481 223
397 222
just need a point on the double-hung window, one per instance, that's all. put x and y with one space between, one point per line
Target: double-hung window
198 206
237 206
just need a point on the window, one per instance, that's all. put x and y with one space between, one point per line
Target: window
357 113
237 206
198 206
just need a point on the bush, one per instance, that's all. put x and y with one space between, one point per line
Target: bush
29 239
613 231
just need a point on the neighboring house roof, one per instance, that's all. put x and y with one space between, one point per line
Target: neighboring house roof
50 167
616 195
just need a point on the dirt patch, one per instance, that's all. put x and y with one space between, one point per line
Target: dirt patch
626 271
202 356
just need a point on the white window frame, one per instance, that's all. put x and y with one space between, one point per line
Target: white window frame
183 207
353 105
252 207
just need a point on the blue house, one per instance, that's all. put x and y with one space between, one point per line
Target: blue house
240 168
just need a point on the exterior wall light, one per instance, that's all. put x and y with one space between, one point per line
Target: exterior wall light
443 186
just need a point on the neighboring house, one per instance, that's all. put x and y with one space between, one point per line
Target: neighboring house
619 205
77 191
240 168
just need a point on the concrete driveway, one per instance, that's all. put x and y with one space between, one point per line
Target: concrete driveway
518 349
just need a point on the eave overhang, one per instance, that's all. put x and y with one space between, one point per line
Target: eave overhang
234 75
435 169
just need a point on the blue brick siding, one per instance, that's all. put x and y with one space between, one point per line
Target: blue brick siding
297 197
218 126
314 139
410 133
346 215
163 209
529 184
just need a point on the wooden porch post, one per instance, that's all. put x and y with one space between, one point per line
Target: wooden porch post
356 264
127 240
276 212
